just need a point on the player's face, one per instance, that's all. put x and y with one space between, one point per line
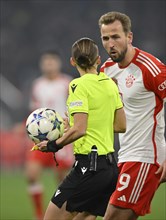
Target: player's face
115 41
50 65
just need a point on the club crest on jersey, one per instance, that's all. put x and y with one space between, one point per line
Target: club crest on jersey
130 80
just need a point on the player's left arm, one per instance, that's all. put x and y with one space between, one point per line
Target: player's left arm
157 83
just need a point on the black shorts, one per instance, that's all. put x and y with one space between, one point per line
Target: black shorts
88 191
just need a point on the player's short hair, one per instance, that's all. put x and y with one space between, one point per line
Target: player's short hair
85 52
110 17
53 53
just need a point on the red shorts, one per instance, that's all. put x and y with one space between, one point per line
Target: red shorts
64 158
137 183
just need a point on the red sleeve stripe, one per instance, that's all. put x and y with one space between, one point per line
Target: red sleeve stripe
151 66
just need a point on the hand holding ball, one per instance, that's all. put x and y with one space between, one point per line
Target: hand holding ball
44 124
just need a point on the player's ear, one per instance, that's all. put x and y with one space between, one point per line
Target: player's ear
72 62
130 37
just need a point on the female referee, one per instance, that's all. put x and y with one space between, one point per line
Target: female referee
95 113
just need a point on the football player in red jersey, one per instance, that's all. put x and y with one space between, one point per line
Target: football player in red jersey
141 79
49 90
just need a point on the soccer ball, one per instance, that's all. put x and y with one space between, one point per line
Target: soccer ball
44 124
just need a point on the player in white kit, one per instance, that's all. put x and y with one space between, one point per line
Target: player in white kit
49 90
141 79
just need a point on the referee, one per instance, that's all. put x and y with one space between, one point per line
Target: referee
95 113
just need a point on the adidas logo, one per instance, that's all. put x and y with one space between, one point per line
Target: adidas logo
122 198
57 192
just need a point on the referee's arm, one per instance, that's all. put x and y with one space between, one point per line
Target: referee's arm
77 131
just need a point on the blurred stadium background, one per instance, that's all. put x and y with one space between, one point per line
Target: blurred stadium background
29 27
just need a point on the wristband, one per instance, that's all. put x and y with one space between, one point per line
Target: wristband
52 147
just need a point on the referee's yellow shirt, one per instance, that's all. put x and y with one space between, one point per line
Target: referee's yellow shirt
98 96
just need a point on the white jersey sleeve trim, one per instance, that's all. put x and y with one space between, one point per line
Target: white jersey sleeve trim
147 58
152 67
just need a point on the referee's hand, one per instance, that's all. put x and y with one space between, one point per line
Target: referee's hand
42 146
48 146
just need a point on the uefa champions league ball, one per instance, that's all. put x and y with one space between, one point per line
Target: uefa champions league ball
44 124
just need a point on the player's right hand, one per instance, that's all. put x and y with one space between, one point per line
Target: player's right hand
162 170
